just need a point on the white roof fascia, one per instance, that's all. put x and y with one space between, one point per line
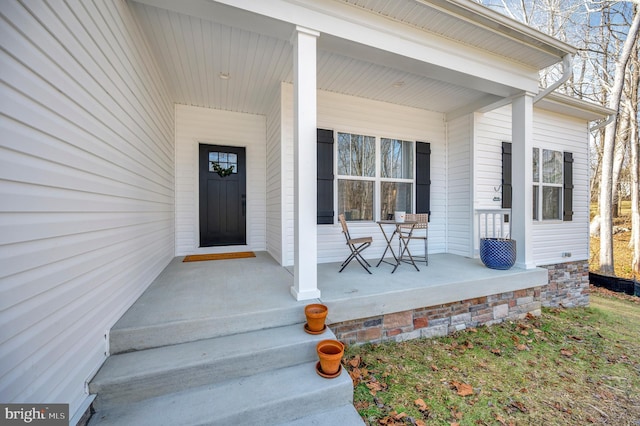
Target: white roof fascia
501 24
579 108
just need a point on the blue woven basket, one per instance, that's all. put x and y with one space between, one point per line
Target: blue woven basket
498 253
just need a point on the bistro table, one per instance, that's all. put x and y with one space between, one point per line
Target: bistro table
403 246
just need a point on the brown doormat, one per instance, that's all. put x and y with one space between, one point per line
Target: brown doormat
219 256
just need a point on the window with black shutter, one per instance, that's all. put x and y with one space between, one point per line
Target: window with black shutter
356 176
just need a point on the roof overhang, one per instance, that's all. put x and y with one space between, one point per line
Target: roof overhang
494 21
453 55
573 107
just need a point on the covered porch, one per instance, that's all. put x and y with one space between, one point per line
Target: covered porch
198 300
265 78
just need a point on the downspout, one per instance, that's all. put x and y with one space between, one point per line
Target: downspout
566 73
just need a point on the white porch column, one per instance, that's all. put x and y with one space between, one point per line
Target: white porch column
305 282
522 178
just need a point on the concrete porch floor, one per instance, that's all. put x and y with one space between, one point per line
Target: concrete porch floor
223 289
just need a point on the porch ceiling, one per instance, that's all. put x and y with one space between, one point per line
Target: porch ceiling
209 39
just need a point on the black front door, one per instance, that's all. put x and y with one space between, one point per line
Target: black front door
222 195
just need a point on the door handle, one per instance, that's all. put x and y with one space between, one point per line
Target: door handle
244 204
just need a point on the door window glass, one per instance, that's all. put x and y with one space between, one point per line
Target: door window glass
226 161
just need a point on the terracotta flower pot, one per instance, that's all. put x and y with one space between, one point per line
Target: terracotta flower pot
330 353
316 315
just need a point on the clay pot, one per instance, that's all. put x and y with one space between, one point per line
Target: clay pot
330 353
316 315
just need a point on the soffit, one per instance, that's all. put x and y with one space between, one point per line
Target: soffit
196 41
192 52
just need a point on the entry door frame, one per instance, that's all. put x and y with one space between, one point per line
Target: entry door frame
243 170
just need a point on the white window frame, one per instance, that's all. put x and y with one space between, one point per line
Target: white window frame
538 187
377 178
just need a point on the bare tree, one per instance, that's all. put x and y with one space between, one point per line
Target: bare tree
605 33
634 148
609 143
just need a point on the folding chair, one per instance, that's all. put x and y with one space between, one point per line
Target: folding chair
408 233
356 245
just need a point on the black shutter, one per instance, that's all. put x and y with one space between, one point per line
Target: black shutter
568 187
325 176
423 178
506 175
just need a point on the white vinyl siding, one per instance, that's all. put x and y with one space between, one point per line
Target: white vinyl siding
553 238
491 129
287 173
363 116
87 189
550 131
460 169
194 126
274 181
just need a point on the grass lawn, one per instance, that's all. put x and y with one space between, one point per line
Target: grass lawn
567 367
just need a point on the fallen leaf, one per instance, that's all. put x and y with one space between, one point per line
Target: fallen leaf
522 347
434 367
519 405
361 405
420 423
355 361
496 351
463 389
500 419
566 353
400 415
374 387
422 406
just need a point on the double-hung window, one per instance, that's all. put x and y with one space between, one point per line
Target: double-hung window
552 183
547 184
374 174
396 176
356 175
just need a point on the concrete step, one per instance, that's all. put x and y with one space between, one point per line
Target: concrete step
345 415
135 376
269 398
128 336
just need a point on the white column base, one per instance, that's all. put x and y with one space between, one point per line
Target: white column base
304 295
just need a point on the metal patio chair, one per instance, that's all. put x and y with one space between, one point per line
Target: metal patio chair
356 246
409 233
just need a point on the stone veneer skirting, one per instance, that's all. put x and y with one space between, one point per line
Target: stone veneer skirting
568 286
